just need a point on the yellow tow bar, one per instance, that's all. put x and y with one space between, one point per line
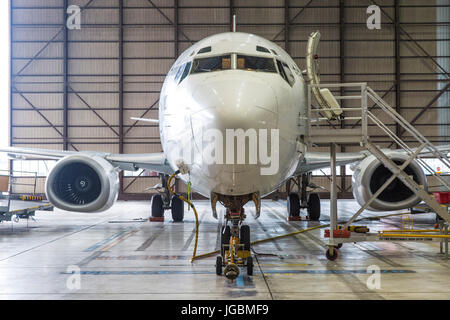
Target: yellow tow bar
196 257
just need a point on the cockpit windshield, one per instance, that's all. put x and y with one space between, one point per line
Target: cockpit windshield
250 63
211 64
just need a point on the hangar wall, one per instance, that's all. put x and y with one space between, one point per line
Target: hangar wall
77 89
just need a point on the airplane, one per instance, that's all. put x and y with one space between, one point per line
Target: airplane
229 81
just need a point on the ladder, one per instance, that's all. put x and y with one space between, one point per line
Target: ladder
320 130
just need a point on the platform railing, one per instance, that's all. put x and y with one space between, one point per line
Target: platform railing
319 133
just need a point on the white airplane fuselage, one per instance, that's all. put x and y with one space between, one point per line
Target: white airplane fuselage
232 98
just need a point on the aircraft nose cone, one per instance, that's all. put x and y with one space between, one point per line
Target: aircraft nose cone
231 103
234 103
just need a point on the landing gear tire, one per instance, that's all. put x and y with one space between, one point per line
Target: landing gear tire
293 205
314 207
157 206
250 266
339 246
224 238
177 209
334 256
219 264
245 237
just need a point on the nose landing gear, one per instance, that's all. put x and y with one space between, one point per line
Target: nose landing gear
235 251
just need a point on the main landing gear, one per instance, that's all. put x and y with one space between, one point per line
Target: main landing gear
235 239
163 201
302 199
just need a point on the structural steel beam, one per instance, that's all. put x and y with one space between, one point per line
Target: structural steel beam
422 112
176 31
121 89
397 62
286 26
412 39
291 22
39 52
94 111
342 78
142 116
66 80
168 19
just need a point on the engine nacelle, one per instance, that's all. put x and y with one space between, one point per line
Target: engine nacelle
369 175
83 184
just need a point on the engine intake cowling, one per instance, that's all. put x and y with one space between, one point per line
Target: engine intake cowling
371 174
82 183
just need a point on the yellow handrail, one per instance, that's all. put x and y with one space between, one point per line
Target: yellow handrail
414 235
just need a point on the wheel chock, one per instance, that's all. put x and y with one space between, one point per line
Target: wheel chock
337 233
357 229
156 219
294 218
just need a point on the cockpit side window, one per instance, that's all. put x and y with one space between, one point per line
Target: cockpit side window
186 71
204 50
179 72
262 49
255 64
211 64
289 74
286 73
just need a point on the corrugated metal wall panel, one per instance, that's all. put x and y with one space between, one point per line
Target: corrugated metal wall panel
149 50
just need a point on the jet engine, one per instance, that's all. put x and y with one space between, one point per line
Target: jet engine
83 184
370 174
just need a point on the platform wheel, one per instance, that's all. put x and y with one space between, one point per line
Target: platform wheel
333 256
250 266
219 265
157 206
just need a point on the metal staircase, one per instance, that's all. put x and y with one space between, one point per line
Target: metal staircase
321 130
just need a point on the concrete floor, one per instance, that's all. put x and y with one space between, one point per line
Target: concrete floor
120 256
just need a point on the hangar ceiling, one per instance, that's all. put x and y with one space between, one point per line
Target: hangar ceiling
77 89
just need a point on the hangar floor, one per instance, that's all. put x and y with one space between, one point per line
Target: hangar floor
123 257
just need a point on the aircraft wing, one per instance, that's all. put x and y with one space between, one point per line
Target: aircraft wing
321 160
150 161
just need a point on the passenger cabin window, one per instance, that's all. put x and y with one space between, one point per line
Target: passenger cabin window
255 64
286 73
211 64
